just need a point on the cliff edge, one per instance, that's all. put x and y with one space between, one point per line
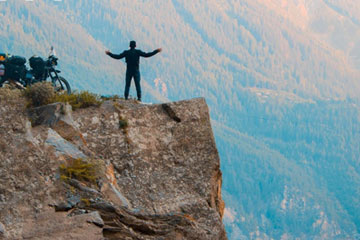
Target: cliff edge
122 170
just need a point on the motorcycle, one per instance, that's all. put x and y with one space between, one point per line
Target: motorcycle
13 68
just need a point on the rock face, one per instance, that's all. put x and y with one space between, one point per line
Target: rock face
119 171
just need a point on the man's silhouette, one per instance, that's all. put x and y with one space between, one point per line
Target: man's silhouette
132 57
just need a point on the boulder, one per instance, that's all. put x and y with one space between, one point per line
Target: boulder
156 177
46 115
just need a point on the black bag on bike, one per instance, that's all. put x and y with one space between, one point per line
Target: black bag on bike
17 60
37 64
15 72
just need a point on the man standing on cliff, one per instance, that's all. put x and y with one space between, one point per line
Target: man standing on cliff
132 57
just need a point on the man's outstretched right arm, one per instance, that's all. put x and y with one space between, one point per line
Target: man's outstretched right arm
116 56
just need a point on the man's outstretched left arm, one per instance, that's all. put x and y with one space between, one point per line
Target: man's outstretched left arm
150 54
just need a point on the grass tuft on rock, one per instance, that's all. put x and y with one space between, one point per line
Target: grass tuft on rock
82 170
77 100
112 97
43 93
123 123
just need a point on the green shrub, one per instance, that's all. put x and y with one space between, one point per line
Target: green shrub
39 94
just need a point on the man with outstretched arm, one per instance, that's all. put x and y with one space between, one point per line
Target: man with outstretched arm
132 57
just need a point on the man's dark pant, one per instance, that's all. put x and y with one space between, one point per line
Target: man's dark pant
136 75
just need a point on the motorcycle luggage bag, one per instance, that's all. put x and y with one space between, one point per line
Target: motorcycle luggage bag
17 60
2 70
37 63
14 72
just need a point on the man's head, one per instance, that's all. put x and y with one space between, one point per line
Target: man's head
132 44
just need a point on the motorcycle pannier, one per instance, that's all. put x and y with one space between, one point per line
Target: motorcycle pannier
2 70
17 60
37 63
15 72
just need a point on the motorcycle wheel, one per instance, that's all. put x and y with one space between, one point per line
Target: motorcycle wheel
61 84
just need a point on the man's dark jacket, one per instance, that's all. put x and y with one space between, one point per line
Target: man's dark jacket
132 57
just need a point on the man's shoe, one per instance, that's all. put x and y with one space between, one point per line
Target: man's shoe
139 99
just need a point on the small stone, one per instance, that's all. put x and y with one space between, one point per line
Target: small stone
76 212
95 120
63 207
2 198
95 218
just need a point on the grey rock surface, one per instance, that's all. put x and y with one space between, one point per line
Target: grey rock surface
46 115
95 218
2 230
62 146
126 170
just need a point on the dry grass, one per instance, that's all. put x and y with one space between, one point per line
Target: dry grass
39 94
82 170
7 93
86 202
113 98
118 106
77 100
43 93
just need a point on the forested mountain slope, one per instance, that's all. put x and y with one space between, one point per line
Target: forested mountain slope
281 79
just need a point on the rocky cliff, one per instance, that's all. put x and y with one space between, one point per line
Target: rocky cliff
119 171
